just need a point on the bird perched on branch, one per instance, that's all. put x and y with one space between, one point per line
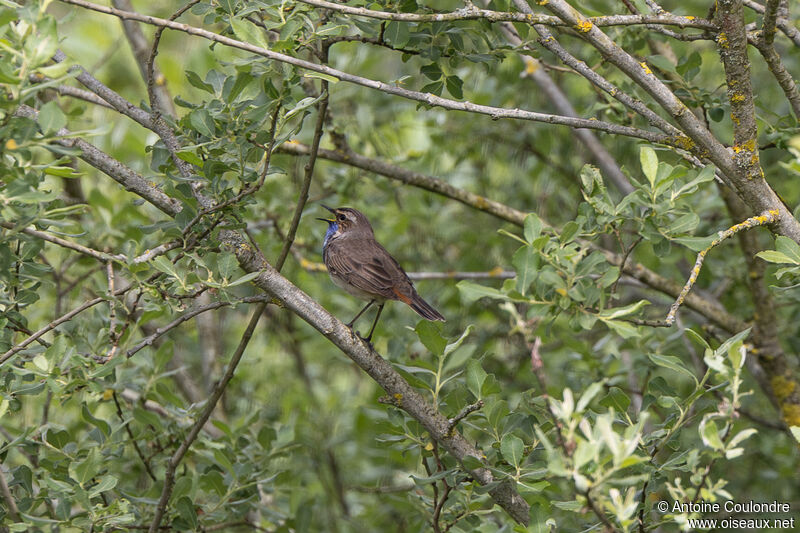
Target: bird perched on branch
360 265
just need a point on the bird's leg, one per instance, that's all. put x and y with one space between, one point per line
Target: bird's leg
350 324
372 329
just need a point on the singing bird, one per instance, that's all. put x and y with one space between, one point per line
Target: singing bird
358 264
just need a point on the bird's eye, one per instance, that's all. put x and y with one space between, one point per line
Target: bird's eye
341 217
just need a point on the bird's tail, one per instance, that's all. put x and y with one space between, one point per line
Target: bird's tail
424 309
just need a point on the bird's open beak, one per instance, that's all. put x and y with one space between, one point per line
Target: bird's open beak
328 220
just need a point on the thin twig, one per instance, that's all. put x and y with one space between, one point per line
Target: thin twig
132 437
11 504
55 323
309 173
159 332
177 457
471 408
767 217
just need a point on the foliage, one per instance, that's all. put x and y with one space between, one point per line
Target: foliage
120 315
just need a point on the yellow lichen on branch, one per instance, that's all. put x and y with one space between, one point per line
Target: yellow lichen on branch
766 217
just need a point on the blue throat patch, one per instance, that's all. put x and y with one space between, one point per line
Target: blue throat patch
332 227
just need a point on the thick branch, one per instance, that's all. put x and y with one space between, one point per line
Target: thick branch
732 41
753 190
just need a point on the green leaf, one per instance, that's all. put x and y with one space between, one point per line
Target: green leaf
471 291
624 329
771 256
789 248
187 511
51 118
569 231
616 399
430 335
433 88
649 161
248 32
85 470
526 262
302 105
709 432
795 432
476 375
695 244
453 346
588 395
454 86
327 77
397 34
431 71
201 121
102 425
671 362
106 483
196 82
618 312
684 224
511 448
697 338
244 279
533 227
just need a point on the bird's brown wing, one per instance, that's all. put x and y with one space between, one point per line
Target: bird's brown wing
369 268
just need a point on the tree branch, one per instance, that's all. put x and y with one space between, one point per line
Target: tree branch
190 314
425 98
322 108
752 222
472 12
752 189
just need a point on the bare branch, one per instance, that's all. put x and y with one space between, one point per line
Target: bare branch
471 12
770 18
191 313
752 222
426 98
322 108
533 70
783 24
732 42
464 413
11 504
52 325
100 256
549 41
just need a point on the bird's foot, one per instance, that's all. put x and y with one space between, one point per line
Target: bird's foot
368 340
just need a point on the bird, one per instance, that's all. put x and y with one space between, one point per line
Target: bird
358 263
